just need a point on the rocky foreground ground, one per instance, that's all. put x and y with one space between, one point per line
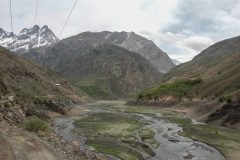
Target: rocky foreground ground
19 144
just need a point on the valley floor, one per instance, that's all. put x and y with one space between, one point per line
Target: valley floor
139 132
115 131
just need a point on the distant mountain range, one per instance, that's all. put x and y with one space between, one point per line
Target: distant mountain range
37 36
27 39
139 64
73 58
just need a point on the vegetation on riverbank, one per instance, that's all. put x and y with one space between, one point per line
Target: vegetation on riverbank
178 89
35 124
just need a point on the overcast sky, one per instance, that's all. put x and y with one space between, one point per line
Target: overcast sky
182 28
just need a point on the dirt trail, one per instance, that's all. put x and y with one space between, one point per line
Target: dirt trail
17 145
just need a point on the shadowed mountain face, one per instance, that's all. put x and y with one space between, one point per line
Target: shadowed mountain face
218 66
111 70
82 43
108 71
29 82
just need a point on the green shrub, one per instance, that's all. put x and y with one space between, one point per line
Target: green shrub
35 124
140 96
194 82
221 99
227 99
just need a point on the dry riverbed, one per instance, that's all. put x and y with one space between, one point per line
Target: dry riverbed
132 133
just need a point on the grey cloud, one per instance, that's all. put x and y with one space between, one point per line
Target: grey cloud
196 43
207 17
197 46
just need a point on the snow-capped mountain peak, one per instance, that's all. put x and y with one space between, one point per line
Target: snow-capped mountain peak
176 62
28 38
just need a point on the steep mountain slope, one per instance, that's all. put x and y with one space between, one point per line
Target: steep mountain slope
218 67
108 71
27 39
82 43
29 83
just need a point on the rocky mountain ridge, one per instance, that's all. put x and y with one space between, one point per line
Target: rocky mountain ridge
132 42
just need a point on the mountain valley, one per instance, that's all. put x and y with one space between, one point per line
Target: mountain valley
116 95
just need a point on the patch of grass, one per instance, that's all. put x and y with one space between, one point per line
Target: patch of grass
109 124
115 149
177 88
35 124
179 120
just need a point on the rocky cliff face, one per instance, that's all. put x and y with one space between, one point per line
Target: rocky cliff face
27 39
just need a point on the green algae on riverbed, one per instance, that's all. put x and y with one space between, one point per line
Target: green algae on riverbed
113 148
147 135
113 133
